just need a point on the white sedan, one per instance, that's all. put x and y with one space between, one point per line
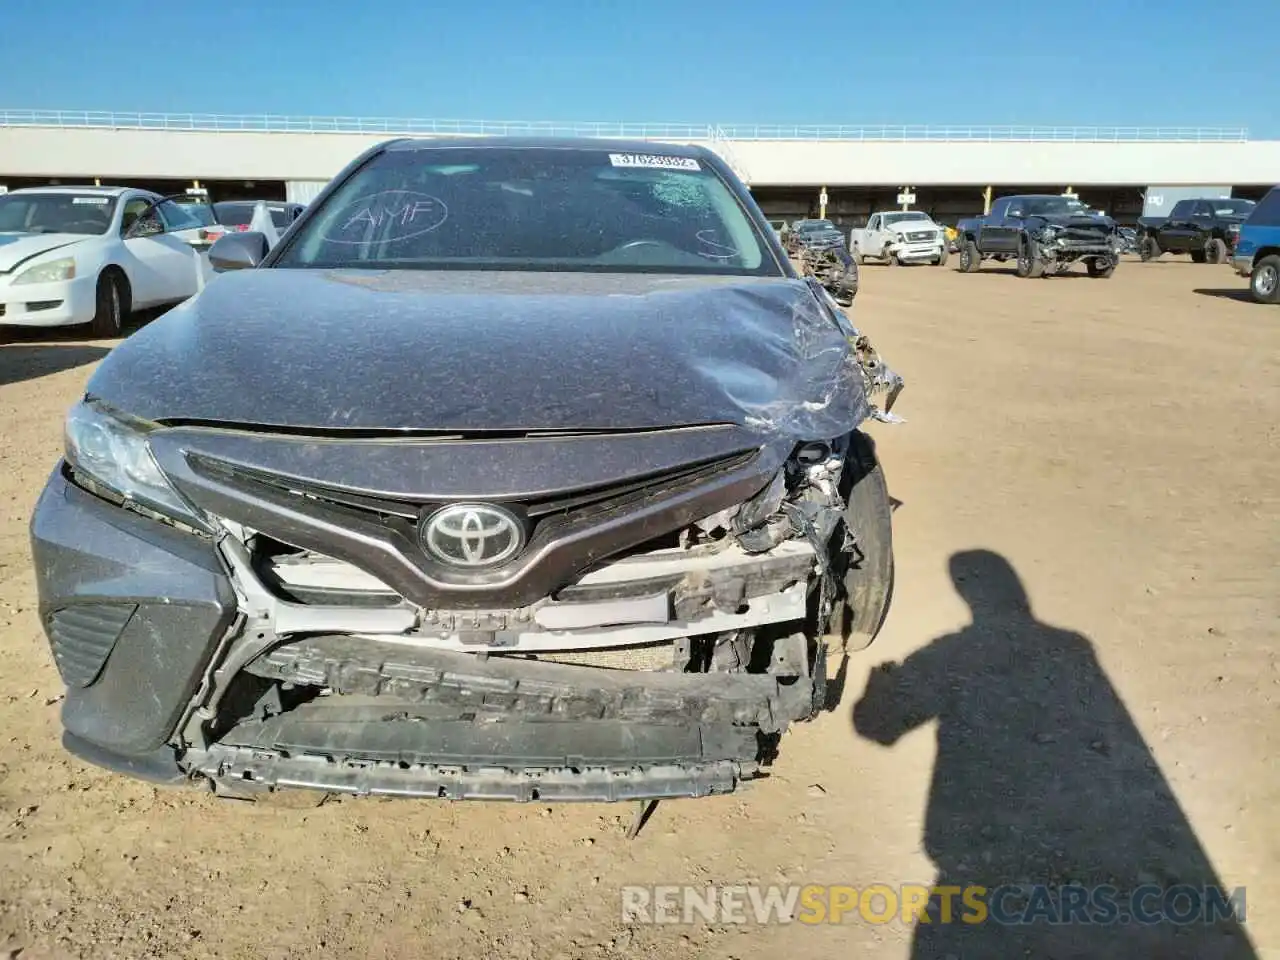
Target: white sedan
90 255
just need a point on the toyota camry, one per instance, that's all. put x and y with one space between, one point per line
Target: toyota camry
518 469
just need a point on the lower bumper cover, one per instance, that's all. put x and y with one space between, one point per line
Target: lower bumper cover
94 555
1242 265
1071 249
394 717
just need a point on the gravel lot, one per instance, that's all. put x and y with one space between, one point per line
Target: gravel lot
1113 444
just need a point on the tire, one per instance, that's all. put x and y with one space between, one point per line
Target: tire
866 575
1102 267
1148 249
1030 266
892 259
1264 282
941 260
1198 256
1215 251
112 307
970 258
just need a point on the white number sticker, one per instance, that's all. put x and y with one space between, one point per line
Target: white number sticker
96 201
646 160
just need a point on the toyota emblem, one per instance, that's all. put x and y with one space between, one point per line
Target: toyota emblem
471 535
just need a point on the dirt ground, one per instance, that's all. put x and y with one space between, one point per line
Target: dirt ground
1112 444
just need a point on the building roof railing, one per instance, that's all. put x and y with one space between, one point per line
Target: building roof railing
275 123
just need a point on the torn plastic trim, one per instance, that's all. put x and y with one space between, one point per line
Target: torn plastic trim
247 771
712 592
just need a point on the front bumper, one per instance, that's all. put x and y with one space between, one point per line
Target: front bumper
1072 249
184 656
913 251
59 304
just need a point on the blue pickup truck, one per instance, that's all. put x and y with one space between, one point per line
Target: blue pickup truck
1043 234
1257 252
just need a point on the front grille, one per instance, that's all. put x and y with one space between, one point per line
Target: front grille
1084 235
568 503
82 637
921 235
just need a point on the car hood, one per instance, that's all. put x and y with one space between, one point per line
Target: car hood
913 226
1075 220
17 248
486 352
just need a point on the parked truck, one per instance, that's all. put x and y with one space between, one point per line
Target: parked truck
1257 253
1044 234
898 237
1206 228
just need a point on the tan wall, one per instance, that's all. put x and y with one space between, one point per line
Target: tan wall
56 152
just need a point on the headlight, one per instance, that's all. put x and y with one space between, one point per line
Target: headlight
1049 232
113 453
51 272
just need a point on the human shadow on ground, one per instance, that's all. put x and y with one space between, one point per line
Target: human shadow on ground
1041 777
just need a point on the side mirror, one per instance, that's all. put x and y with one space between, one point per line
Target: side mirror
147 225
237 251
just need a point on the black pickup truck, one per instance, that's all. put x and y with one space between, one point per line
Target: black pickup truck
1043 233
1206 228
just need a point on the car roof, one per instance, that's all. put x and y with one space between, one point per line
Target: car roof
550 143
94 190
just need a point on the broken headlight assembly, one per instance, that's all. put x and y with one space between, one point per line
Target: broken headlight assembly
109 455
1049 233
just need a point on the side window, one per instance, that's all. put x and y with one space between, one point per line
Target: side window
176 217
875 223
1267 212
1181 209
1000 209
132 209
1204 209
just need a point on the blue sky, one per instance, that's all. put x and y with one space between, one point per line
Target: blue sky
1085 62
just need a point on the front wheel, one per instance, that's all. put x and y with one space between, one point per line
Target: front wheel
1030 265
970 259
941 259
866 572
1264 282
108 317
1215 251
1102 267
1149 250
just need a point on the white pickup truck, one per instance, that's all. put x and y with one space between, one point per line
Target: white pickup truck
900 236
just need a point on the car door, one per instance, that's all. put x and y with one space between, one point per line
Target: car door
1201 224
1176 233
161 266
869 238
999 232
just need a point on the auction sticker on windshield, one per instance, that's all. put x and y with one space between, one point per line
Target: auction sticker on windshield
646 160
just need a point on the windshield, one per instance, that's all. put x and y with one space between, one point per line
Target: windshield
892 218
533 208
818 226
1051 205
1232 208
89 214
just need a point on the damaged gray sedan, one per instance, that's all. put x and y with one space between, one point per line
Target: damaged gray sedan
518 469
